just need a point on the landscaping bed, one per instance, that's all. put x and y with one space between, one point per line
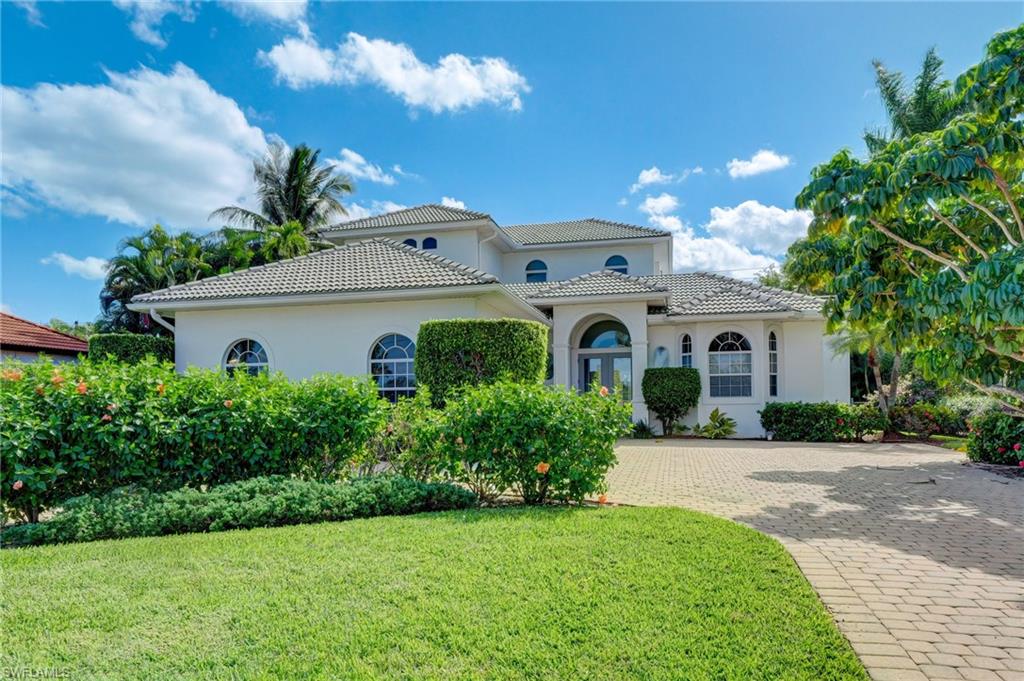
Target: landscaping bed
516 593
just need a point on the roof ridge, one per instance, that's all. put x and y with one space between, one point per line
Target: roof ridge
582 220
44 327
566 283
470 215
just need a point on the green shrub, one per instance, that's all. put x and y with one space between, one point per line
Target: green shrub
258 502
642 431
996 437
90 427
821 421
409 444
925 420
718 426
452 353
670 392
969 407
542 443
131 347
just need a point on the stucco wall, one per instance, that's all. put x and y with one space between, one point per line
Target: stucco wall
568 263
459 245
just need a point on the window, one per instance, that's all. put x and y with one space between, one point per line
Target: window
410 242
686 351
391 365
429 244
773 365
536 270
729 365
660 357
617 263
606 334
246 355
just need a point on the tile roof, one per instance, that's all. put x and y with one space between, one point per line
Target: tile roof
378 264
587 229
603 283
22 334
427 214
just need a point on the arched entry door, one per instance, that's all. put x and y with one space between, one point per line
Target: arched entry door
605 358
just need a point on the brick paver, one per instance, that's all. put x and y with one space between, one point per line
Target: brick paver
919 558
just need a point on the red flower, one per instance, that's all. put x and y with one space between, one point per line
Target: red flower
1021 464
543 467
1001 450
82 388
228 403
18 484
840 421
57 379
1016 447
106 418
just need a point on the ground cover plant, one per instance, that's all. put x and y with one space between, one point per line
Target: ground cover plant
525 593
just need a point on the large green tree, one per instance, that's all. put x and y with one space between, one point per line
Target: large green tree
928 234
292 186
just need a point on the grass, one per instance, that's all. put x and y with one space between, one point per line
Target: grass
495 594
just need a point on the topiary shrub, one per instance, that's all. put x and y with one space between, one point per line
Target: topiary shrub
131 347
670 392
257 502
996 437
541 443
452 353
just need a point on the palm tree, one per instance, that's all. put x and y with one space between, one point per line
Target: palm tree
143 263
292 186
928 106
284 241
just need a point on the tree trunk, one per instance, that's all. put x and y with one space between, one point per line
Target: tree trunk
883 403
894 378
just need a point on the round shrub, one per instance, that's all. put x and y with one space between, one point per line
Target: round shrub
996 437
670 392
451 353
131 347
542 443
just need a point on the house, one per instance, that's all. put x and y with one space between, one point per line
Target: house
605 289
24 340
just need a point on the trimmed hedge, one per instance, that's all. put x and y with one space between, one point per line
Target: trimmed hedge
670 392
452 353
821 421
925 419
996 437
259 502
131 347
89 427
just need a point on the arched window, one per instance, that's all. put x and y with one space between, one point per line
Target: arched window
536 270
410 242
686 351
606 334
617 263
391 365
660 357
729 366
773 365
246 355
429 244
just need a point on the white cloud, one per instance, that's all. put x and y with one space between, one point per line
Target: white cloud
659 206
357 211
14 205
764 161
768 229
355 166
455 83
148 15
623 201
89 267
283 11
146 147
654 175
32 13
452 203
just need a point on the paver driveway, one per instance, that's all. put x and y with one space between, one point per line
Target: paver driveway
919 558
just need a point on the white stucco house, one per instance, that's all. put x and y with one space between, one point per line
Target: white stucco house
605 289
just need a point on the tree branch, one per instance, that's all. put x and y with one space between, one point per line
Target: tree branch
920 249
996 391
956 230
1012 355
994 218
1004 188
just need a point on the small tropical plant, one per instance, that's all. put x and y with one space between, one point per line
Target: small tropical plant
718 426
642 430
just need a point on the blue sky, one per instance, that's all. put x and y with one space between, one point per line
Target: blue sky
704 119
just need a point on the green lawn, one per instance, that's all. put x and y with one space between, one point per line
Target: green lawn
495 594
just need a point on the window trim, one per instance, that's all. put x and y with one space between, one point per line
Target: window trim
774 386
749 352
621 268
686 339
250 338
541 270
383 392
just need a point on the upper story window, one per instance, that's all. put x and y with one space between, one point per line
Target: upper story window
246 355
410 242
773 365
429 243
617 263
391 365
730 366
536 270
686 351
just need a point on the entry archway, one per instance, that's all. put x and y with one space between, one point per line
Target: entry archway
605 357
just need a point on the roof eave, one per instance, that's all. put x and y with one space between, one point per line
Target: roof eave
557 245
650 298
791 315
369 232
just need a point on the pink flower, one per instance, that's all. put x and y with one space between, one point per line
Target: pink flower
1016 447
603 391
1021 464
1001 450
82 388
106 418
18 484
57 379
111 407
840 421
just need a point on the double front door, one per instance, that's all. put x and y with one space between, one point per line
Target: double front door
612 370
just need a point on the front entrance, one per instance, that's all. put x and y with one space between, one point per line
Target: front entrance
610 369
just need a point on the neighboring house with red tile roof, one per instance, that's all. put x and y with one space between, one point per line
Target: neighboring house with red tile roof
25 340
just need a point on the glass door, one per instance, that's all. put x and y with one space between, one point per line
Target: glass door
590 371
613 370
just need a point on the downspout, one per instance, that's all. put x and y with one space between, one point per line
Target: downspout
160 320
479 249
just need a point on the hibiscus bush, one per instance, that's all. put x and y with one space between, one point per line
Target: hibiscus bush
821 421
925 419
87 428
996 437
538 442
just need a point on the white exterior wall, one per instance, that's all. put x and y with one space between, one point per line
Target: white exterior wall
566 263
305 340
25 356
462 245
491 259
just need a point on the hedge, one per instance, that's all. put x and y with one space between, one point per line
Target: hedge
996 437
925 419
453 353
131 347
821 421
670 392
259 502
89 427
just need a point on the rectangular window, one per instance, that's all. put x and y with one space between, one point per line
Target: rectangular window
729 374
